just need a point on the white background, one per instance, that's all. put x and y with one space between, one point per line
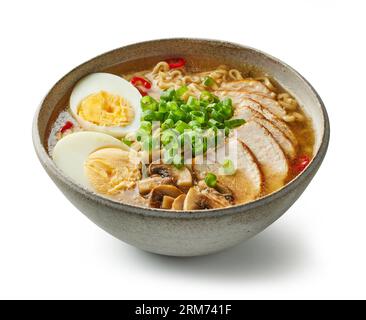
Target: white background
50 250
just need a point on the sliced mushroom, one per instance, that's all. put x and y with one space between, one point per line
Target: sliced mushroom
220 193
167 202
162 169
196 200
158 193
146 185
245 185
182 177
178 202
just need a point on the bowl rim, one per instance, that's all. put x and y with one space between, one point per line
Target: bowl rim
48 163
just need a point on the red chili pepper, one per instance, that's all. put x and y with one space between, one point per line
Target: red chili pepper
300 163
68 125
142 92
139 81
176 63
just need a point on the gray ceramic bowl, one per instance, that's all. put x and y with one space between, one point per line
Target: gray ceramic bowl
188 233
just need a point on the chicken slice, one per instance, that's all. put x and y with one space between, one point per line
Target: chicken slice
241 100
246 184
248 114
248 85
268 153
266 102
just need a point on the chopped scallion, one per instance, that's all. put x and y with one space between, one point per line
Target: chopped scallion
211 180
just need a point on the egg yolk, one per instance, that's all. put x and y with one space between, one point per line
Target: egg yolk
111 170
106 109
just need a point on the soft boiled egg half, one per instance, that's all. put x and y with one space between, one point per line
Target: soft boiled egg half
97 161
106 103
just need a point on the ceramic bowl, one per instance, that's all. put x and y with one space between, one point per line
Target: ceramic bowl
186 233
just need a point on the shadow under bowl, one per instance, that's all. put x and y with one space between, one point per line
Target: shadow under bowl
187 233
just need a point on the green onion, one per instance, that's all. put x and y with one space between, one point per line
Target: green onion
199 146
169 155
211 180
193 103
227 168
159 116
218 116
234 123
181 91
194 124
186 108
178 161
207 97
167 124
146 126
227 102
149 103
127 142
208 81
177 115
147 144
148 115
211 137
214 123
172 106
169 136
168 95
163 106
210 107
226 111
198 116
227 131
180 126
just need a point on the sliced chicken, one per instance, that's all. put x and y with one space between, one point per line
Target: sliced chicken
268 153
248 85
246 184
249 114
266 102
285 143
240 100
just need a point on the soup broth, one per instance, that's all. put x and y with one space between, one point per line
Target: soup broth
194 135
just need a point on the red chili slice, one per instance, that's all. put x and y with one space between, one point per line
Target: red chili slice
143 93
176 63
300 163
139 81
68 125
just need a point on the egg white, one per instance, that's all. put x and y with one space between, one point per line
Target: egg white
71 152
115 85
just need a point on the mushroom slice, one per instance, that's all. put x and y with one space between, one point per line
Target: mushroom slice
182 177
196 200
178 202
146 185
161 169
158 193
167 202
